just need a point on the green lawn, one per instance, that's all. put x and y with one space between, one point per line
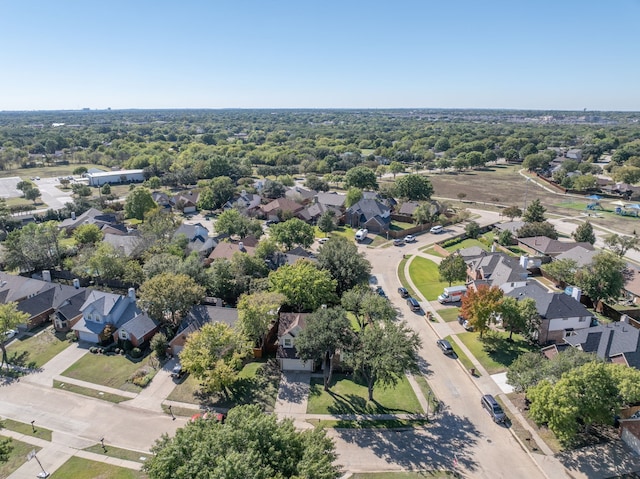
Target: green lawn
111 371
495 352
369 424
426 391
17 457
118 453
431 250
26 429
467 243
349 397
449 314
35 351
78 468
94 393
426 278
462 357
345 231
403 277
258 384
400 226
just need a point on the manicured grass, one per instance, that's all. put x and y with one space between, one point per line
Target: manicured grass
400 226
94 393
118 453
406 475
46 171
495 352
349 397
379 240
449 314
79 468
403 277
180 411
431 250
258 384
426 391
462 357
367 424
345 231
17 457
111 371
35 351
26 429
426 278
467 243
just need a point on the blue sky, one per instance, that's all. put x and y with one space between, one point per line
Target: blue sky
561 54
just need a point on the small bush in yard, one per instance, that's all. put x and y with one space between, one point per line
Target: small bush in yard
93 350
136 353
71 337
159 345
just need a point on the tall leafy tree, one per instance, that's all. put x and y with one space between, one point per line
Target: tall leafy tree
232 222
396 167
353 196
304 285
214 356
519 316
34 247
452 268
603 278
534 213
87 234
367 306
248 445
620 244
414 187
479 306
543 228
361 177
10 318
293 232
383 352
346 265
326 222
562 270
512 212
327 331
584 233
257 312
425 213
138 203
168 296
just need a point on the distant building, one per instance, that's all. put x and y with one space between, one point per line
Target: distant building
121 176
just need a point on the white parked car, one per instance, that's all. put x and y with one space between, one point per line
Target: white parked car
10 334
323 240
409 239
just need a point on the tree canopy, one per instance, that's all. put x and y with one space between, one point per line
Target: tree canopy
293 232
480 306
584 233
170 294
10 318
361 177
603 278
256 313
534 212
138 203
346 265
304 285
452 268
414 187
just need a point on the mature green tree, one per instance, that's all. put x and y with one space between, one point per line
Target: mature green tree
543 228
168 296
625 174
6 447
327 331
249 445
414 187
479 306
585 182
232 222
583 397
346 265
10 318
534 213
562 270
273 189
452 268
536 161
161 263
266 249
154 183
603 278
292 232
367 306
219 191
214 356
425 213
628 382
34 247
361 177
512 314
138 203
314 183
383 352
257 312
304 285
620 244
159 344
584 233
512 212
396 167
472 230
505 238
221 281
32 194
327 221
87 234
353 196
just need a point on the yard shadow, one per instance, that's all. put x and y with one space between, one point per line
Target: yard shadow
613 459
445 445
504 350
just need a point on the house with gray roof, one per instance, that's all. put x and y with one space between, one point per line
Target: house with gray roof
198 236
300 195
197 317
616 342
580 253
370 214
130 245
496 269
92 216
331 198
544 246
289 327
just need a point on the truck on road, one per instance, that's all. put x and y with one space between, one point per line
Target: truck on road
452 294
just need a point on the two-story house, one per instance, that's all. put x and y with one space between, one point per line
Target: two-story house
289 327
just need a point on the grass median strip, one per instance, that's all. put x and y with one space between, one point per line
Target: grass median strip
403 277
27 429
466 362
79 468
369 424
94 393
118 453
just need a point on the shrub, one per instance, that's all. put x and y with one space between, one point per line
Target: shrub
159 345
71 337
93 350
136 353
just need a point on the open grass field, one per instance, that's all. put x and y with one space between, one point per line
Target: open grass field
17 457
495 352
426 278
35 351
111 371
350 397
78 468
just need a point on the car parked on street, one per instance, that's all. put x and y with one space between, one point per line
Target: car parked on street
398 242
445 346
413 304
409 239
404 293
493 408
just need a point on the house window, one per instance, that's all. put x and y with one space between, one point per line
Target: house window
124 334
288 343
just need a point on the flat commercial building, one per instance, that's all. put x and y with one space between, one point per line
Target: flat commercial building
121 176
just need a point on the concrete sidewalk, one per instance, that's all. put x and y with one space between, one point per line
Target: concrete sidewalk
57 365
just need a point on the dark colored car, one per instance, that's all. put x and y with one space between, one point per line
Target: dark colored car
381 292
493 408
403 292
445 346
271 222
413 304
177 372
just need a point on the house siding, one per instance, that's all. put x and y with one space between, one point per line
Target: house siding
630 432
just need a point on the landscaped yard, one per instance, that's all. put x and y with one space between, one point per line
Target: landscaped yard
449 313
35 351
426 277
495 352
78 468
17 457
108 370
349 397
258 384
467 243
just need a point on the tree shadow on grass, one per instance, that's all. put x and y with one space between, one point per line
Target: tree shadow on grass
444 445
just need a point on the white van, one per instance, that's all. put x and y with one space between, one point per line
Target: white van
361 234
436 229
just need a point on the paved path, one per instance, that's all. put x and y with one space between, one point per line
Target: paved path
152 397
56 366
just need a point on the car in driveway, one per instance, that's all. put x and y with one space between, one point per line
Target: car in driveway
177 372
409 239
445 346
493 408
271 222
404 293
398 242
9 334
323 240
